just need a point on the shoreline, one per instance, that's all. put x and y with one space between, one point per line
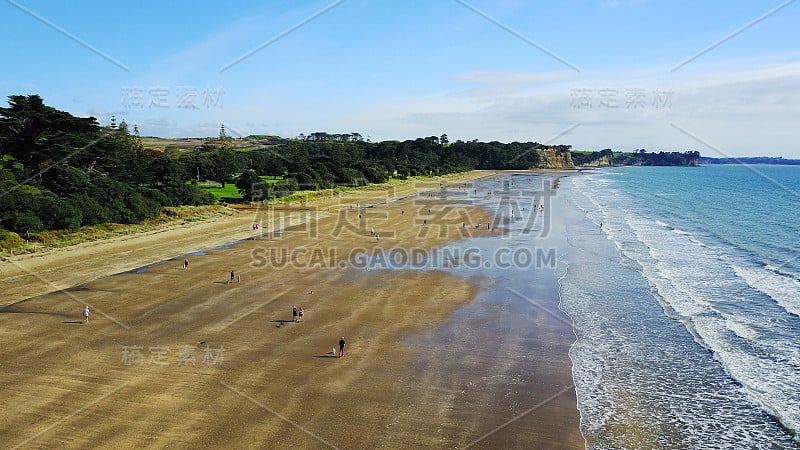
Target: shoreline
274 368
27 275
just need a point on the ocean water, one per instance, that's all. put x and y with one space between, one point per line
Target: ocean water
686 306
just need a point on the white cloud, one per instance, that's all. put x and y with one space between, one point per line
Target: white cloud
739 111
742 112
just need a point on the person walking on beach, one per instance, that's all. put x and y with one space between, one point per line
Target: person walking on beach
300 315
185 263
341 347
86 314
294 313
232 276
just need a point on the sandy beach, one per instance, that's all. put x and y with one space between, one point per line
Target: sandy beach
188 357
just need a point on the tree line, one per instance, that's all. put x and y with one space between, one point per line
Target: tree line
62 172
777 160
640 157
58 171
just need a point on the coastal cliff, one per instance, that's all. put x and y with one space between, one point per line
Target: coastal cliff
605 161
552 158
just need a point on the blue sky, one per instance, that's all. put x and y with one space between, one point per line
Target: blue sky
721 77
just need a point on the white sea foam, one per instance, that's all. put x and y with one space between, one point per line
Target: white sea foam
692 279
784 289
662 224
742 330
694 283
594 399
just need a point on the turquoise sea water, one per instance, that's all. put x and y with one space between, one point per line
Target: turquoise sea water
687 312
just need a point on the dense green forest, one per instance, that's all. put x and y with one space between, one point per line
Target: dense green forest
642 157
62 172
58 171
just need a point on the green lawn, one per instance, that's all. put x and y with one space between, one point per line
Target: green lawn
230 191
269 179
219 192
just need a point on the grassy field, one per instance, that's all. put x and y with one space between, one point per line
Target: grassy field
188 144
219 192
229 192
182 144
393 180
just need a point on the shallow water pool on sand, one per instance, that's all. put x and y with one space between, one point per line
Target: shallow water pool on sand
500 364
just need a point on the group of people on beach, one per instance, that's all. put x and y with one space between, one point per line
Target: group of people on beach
297 314
373 233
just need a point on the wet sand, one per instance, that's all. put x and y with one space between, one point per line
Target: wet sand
183 358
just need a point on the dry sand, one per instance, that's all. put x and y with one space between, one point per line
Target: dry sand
182 358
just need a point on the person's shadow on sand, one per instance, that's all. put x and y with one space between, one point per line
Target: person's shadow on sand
327 355
281 322
14 309
72 321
